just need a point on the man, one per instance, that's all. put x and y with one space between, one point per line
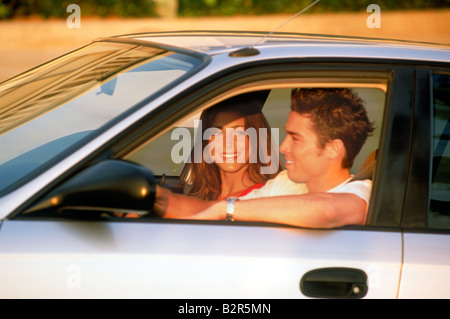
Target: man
325 129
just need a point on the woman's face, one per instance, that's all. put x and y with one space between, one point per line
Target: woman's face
229 143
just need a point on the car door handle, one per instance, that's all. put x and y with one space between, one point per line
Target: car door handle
334 283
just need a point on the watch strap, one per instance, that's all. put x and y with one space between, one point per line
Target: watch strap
230 208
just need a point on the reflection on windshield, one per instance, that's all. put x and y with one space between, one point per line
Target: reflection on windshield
49 109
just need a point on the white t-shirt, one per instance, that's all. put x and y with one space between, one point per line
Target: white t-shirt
282 185
360 188
278 186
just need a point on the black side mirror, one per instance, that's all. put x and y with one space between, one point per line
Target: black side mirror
108 186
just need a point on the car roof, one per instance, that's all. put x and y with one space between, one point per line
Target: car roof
312 45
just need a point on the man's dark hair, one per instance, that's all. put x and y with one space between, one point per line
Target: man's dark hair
335 114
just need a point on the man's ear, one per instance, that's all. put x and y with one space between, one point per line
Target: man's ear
335 149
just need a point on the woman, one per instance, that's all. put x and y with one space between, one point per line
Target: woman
229 172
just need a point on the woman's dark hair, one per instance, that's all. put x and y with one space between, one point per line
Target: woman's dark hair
206 180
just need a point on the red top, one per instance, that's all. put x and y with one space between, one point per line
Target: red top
248 190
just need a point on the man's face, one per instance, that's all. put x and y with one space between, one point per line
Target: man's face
305 160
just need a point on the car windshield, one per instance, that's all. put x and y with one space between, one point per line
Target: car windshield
47 110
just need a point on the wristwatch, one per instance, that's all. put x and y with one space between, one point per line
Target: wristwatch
230 208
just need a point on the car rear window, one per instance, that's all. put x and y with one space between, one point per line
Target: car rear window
439 216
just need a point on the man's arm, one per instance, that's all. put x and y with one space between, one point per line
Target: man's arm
314 210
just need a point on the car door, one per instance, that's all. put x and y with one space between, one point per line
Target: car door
427 222
54 256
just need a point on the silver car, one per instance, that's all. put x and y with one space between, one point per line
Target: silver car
85 138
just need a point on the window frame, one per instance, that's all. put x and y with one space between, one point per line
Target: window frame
385 211
417 200
386 190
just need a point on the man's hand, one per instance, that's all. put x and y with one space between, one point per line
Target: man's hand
171 205
161 200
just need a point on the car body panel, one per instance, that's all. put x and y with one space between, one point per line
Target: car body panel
135 260
426 266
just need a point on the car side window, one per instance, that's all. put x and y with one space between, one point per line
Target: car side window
168 154
439 206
